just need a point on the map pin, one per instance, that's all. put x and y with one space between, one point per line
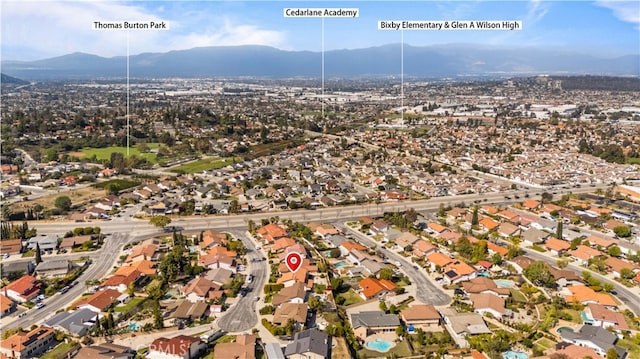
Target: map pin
293 261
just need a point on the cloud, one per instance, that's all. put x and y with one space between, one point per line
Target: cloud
536 11
627 11
41 29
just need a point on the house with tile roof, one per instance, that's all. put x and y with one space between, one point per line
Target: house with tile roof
199 289
295 311
102 300
489 303
28 344
23 289
585 295
423 316
244 347
438 260
179 347
582 254
373 287
600 316
482 285
556 246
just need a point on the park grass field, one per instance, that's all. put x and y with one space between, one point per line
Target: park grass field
105 153
205 164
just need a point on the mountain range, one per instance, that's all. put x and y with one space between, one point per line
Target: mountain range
262 61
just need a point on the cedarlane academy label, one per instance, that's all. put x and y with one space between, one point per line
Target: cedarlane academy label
450 25
321 12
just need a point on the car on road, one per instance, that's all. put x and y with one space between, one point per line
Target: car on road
40 305
256 299
250 278
23 314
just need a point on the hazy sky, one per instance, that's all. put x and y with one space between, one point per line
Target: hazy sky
41 29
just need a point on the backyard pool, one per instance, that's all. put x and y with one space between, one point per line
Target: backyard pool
514 355
504 283
340 264
378 345
562 329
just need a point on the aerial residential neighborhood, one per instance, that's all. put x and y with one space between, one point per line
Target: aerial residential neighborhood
213 195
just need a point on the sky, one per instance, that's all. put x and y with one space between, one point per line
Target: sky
34 30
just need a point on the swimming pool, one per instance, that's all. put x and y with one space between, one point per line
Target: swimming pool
504 283
562 329
515 355
378 345
340 264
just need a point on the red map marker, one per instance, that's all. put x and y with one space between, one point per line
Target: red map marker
293 261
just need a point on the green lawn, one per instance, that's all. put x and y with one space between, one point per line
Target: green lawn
205 164
105 153
127 307
544 344
351 297
518 296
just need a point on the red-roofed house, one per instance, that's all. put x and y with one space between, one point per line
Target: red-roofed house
23 289
101 300
180 347
557 246
373 287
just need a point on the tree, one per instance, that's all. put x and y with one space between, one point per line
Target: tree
546 197
38 254
562 263
614 251
608 287
626 273
160 221
474 218
411 215
559 230
539 274
622 231
385 273
383 306
63 203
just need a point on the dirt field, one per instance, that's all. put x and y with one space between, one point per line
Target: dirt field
78 196
340 350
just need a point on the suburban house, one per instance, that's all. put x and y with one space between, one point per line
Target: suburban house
596 338
373 287
295 293
122 282
295 311
582 254
102 300
373 322
28 344
459 325
421 316
77 323
484 285
600 316
457 272
485 303
180 347
423 248
585 295
23 289
200 289
11 246
244 347
438 261
7 306
534 236
556 246
309 344
53 268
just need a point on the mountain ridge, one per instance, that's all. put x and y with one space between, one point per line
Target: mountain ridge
264 61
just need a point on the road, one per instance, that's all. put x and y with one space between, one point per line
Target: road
242 315
427 292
